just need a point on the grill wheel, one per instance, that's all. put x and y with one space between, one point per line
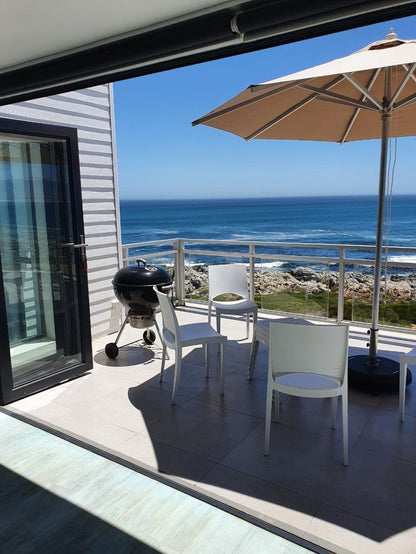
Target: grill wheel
149 336
111 349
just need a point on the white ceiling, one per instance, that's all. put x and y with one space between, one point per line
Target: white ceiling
34 29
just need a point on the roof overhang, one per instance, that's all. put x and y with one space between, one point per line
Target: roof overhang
51 47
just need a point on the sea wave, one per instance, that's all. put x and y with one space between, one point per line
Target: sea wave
270 265
406 258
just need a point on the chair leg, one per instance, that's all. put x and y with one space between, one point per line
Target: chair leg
162 367
402 389
247 325
218 316
206 362
209 311
178 364
254 323
268 420
276 398
253 355
344 400
222 368
334 410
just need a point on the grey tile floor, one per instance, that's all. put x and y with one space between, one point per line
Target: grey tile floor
213 444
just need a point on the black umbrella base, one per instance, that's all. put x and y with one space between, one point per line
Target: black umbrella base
381 376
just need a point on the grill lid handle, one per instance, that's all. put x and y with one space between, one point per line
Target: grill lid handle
141 261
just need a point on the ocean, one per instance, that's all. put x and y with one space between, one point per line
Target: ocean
346 220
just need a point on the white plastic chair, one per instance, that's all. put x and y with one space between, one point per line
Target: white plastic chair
230 279
308 361
177 336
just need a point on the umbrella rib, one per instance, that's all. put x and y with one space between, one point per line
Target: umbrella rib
338 97
280 117
409 100
357 111
402 85
287 86
406 67
362 89
242 104
292 109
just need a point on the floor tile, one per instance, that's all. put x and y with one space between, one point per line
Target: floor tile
349 533
289 510
396 439
206 430
165 458
315 415
240 395
376 487
93 429
299 460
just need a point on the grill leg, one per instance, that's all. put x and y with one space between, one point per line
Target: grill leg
121 330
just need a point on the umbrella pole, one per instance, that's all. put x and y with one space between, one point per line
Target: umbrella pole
372 372
385 122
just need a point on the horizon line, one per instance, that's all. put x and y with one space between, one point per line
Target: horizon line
334 196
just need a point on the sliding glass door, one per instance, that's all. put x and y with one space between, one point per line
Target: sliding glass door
44 331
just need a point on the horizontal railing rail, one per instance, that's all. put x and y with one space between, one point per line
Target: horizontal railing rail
250 251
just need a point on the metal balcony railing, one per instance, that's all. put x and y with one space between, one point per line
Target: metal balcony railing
343 258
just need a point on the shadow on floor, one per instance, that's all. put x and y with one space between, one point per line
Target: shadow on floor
35 520
217 443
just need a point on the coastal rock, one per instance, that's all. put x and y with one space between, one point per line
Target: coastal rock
196 279
304 279
304 274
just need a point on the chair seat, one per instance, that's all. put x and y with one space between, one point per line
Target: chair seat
235 306
199 333
262 327
305 382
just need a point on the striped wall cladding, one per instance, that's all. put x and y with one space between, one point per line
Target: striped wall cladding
91 112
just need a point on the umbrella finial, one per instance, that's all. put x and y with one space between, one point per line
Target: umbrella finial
392 35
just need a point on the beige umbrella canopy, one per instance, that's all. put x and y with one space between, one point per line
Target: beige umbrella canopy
339 101
351 98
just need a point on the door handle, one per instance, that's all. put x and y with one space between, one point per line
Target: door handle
73 245
81 245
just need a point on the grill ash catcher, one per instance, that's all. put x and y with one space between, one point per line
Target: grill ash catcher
133 287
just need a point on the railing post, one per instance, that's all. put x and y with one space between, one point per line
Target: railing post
179 272
125 251
341 283
252 253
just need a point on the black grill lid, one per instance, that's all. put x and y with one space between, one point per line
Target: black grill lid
142 275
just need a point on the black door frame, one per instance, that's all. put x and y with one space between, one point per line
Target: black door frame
8 393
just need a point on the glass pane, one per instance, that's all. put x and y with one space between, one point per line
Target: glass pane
358 297
304 289
398 298
38 270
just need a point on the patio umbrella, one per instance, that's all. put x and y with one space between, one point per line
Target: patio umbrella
350 98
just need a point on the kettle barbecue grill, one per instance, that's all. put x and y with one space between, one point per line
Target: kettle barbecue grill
133 287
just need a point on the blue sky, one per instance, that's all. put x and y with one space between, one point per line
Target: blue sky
161 155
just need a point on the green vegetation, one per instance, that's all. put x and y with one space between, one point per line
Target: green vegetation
399 312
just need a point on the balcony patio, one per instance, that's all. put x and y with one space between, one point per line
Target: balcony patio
214 445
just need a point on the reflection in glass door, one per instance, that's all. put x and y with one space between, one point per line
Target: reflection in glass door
42 263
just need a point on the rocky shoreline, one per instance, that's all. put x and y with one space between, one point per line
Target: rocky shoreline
268 282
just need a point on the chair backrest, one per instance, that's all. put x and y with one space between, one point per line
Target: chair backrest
227 278
320 349
170 321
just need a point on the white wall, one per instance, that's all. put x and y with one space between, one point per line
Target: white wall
91 112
